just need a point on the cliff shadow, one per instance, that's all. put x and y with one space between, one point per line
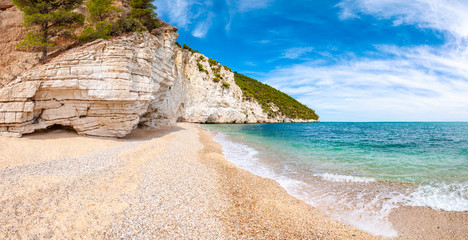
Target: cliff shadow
141 133
65 132
55 131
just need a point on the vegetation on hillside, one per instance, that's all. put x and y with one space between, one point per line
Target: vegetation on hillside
265 95
143 11
102 15
47 20
201 69
52 21
226 85
185 46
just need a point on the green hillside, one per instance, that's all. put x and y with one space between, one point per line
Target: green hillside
264 94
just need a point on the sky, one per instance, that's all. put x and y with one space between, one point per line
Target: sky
349 60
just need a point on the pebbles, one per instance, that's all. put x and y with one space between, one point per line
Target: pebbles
144 188
167 184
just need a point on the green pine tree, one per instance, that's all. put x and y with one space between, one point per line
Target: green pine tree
101 10
144 12
46 19
101 17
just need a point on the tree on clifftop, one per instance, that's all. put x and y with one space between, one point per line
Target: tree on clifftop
47 19
101 10
102 14
144 12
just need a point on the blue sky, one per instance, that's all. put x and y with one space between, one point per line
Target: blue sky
350 60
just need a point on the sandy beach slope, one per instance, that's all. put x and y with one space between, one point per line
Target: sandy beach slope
172 183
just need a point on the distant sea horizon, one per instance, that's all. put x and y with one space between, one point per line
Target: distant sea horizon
358 172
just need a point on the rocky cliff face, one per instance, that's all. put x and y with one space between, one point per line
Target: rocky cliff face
12 62
107 88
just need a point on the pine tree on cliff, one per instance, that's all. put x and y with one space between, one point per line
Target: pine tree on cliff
102 14
101 10
47 20
144 12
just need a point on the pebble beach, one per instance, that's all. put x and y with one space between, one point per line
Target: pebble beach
171 183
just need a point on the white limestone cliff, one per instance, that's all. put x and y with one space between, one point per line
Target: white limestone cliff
109 87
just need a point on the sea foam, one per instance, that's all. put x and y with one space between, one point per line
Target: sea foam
246 158
344 178
440 196
371 216
242 155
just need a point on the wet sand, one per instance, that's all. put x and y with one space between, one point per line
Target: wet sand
171 183
427 223
409 222
258 208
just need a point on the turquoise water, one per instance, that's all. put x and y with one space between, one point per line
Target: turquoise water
368 168
397 151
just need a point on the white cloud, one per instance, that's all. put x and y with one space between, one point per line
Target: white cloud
424 83
248 5
444 15
236 7
295 53
202 27
420 84
188 14
250 63
176 12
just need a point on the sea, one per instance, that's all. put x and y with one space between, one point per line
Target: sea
357 173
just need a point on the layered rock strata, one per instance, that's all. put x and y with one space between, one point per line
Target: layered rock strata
109 87
14 62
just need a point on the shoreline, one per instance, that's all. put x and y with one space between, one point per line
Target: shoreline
166 183
265 209
171 183
406 220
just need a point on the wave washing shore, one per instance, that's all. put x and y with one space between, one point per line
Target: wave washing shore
171 183
365 174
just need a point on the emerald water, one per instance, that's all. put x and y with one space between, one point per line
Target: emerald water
358 172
